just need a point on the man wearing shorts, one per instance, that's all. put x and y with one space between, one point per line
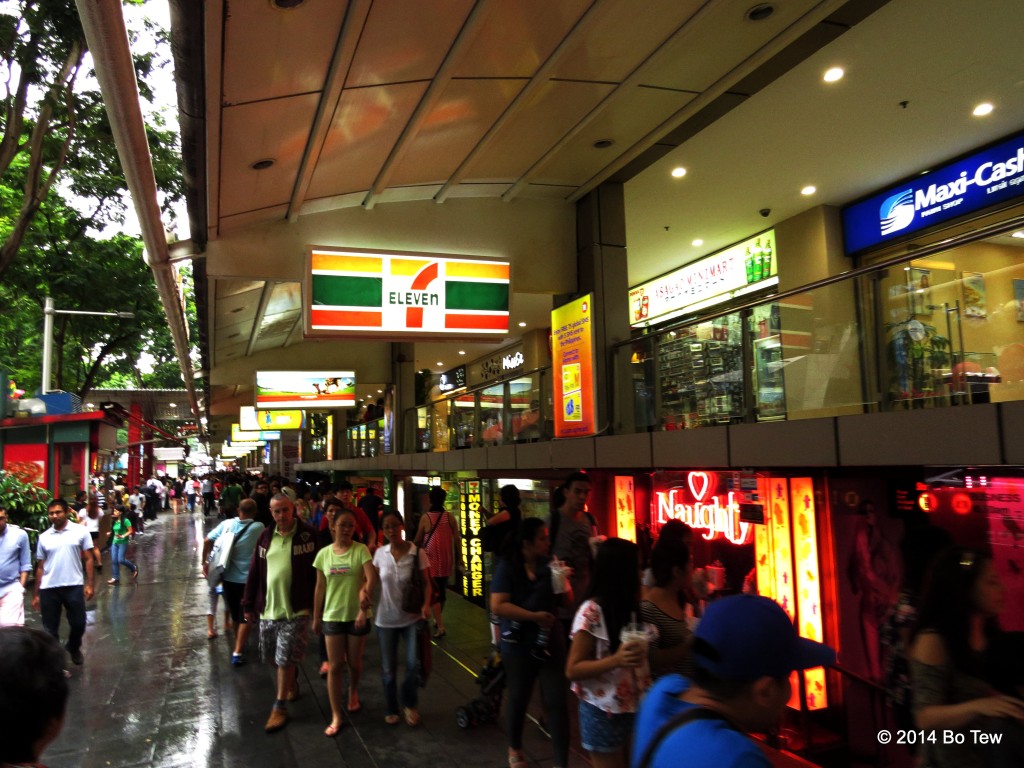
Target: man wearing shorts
280 590
15 565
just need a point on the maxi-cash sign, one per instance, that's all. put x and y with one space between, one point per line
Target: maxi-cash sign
983 179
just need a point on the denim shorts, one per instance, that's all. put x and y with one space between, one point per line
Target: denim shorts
331 628
602 731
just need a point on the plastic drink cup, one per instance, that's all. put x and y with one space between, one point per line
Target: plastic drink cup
634 633
559 577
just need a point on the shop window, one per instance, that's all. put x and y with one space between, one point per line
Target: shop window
524 403
492 415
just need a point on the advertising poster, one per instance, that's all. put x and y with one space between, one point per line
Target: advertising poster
572 341
974 295
305 389
625 511
26 462
251 420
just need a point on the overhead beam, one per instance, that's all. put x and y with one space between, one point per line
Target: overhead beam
341 61
107 37
518 104
261 312
774 46
429 100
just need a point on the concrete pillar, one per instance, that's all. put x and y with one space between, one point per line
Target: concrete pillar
602 270
403 401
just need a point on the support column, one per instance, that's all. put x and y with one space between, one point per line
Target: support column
134 449
602 270
403 377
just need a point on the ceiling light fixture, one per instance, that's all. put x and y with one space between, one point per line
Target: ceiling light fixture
760 12
172 405
1018 234
810 189
983 109
287 5
522 325
261 165
698 243
462 351
678 172
603 143
439 364
834 74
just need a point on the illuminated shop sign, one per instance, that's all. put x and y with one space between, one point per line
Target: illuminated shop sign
242 436
472 547
379 293
305 389
572 342
978 181
453 379
743 268
625 511
251 420
696 505
501 363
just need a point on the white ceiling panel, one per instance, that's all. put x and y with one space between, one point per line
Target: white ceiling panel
462 115
366 126
536 26
554 110
276 130
249 27
405 41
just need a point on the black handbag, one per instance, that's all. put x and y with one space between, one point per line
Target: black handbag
414 592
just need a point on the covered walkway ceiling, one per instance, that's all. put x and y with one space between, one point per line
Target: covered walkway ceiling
428 125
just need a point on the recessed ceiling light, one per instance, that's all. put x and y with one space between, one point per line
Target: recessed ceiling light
439 363
983 109
698 243
462 351
833 74
808 190
1019 234
760 12
522 325
172 405
678 172
603 143
261 165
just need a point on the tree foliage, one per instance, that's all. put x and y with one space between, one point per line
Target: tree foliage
61 190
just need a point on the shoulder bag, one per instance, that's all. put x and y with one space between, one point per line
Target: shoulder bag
414 592
220 557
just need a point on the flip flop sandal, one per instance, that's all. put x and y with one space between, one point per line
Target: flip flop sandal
332 730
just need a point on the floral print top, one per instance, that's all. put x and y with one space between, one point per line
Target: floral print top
620 689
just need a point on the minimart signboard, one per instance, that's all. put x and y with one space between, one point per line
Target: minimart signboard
745 267
993 175
409 295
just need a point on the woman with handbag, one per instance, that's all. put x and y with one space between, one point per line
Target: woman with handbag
438 534
403 571
342 572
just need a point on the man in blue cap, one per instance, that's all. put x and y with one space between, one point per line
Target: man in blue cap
744 650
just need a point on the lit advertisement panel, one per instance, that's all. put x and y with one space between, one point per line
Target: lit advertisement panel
387 294
572 341
251 420
305 389
808 587
244 436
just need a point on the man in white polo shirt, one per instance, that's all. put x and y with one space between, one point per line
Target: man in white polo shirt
59 580
15 565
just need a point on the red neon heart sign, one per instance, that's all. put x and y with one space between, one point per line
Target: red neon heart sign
699 483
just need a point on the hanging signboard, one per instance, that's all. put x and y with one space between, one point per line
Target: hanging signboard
407 295
251 420
305 389
572 341
745 267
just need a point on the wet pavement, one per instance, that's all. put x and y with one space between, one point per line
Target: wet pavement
154 691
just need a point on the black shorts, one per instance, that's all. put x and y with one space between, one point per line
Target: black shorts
233 592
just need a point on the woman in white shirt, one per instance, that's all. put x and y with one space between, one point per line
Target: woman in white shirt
393 567
90 516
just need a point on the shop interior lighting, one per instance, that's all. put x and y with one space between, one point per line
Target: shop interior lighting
833 75
678 172
698 243
810 189
983 109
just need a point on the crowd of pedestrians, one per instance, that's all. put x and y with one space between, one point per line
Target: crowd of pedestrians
648 673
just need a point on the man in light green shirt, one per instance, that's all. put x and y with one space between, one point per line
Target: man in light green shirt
280 590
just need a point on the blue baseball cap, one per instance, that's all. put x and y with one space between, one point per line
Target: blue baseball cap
746 637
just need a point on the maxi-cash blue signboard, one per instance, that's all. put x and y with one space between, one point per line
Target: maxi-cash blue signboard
985 178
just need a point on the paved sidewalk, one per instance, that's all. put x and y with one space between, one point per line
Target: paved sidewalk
154 691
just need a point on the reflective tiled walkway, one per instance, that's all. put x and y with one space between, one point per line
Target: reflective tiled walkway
155 691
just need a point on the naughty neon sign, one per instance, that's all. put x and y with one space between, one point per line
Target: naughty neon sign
716 515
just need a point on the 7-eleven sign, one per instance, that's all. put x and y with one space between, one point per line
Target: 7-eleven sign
376 293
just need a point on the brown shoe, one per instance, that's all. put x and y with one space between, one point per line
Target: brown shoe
278 719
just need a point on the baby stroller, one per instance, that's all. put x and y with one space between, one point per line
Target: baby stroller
485 707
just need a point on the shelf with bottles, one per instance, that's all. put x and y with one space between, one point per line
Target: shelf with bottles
769 383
